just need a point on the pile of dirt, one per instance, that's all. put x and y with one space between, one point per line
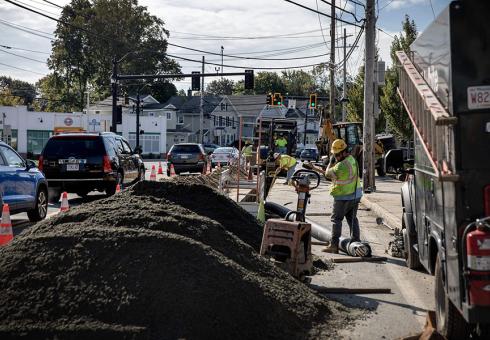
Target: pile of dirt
161 260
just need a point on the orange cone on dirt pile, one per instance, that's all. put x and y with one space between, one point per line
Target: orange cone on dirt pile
64 202
6 234
153 174
160 169
118 188
172 170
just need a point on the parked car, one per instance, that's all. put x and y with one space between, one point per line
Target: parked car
309 154
84 162
22 186
209 148
225 155
187 157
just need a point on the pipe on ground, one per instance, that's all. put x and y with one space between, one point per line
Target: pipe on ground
361 249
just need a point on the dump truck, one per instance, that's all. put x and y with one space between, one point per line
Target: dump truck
445 89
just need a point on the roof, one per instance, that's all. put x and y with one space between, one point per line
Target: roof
294 113
153 106
273 112
193 105
179 130
248 105
176 101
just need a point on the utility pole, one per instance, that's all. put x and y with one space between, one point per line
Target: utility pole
222 49
88 100
306 126
137 120
368 123
332 60
201 106
114 95
344 74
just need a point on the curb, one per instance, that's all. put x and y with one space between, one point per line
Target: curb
376 209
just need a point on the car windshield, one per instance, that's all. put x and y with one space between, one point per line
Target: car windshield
74 147
223 150
186 149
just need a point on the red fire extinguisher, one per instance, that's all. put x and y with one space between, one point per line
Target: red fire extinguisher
478 264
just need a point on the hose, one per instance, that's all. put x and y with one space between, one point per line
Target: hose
358 249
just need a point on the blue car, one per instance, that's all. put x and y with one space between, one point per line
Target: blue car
22 185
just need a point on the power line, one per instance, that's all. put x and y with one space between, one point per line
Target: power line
318 12
26 29
23 49
432 7
22 69
21 56
343 10
321 27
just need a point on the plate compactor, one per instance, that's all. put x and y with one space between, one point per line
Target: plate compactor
288 243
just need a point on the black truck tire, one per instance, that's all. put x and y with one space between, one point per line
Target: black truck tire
41 207
411 255
450 322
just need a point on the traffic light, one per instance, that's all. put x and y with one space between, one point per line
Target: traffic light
196 81
269 99
313 98
277 101
249 79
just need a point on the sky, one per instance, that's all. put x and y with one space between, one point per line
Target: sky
252 28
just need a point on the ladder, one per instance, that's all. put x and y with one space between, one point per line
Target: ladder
431 121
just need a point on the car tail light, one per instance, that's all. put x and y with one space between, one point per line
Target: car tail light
201 157
107 164
486 200
40 163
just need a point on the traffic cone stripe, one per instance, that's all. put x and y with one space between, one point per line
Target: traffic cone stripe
6 233
64 202
153 175
160 169
172 170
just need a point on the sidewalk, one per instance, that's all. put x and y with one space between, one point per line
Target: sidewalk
386 201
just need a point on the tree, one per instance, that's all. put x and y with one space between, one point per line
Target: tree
221 86
26 91
268 82
395 114
298 83
9 99
239 89
96 32
181 93
355 94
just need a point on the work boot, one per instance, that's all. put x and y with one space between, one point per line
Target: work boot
286 183
333 249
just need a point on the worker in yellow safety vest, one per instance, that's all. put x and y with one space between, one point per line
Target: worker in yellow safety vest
287 163
281 145
247 151
346 191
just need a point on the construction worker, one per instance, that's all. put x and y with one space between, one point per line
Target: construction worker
287 163
281 144
247 151
346 191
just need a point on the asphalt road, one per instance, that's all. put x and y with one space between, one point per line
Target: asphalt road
385 316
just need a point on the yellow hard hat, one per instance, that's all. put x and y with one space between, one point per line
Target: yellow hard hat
338 146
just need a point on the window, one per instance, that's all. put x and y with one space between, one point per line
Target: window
149 142
169 115
36 140
180 120
12 158
227 121
220 121
126 147
10 140
222 106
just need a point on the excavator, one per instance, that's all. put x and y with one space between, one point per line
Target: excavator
351 133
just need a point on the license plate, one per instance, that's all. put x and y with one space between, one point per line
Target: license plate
72 167
478 97
184 156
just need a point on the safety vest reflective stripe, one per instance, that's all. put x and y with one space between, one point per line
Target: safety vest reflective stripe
351 177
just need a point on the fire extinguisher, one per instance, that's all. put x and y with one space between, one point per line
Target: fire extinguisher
477 267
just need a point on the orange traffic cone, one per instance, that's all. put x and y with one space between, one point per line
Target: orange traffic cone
64 202
118 188
160 169
153 174
172 171
6 234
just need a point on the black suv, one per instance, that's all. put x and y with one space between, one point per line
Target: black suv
187 157
83 162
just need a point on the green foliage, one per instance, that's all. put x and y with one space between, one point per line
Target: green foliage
99 31
221 86
395 115
355 94
298 83
239 89
268 82
24 90
9 99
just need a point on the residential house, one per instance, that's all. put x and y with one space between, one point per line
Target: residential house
190 112
177 132
224 121
249 108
